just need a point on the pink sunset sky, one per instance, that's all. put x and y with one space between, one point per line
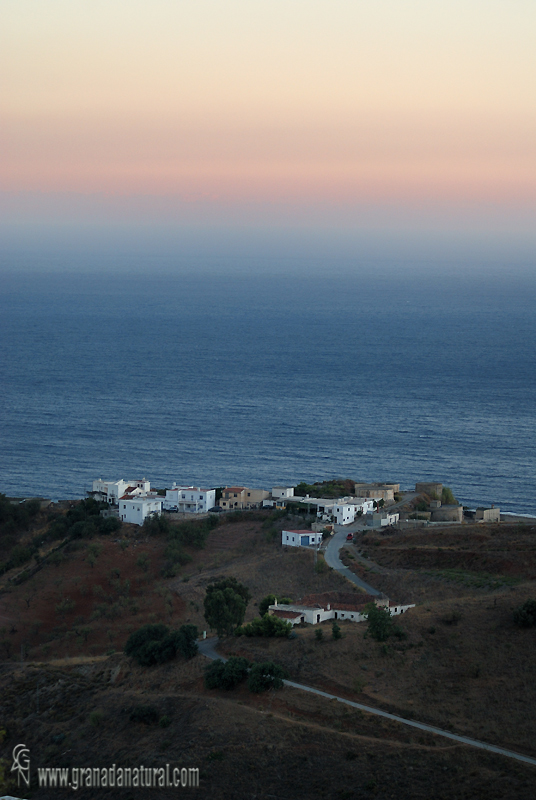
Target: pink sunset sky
377 115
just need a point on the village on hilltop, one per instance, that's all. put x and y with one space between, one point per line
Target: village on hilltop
376 505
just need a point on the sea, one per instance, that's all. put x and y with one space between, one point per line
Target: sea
267 375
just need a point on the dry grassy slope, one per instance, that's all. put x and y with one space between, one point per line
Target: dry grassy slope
475 676
501 549
104 611
284 745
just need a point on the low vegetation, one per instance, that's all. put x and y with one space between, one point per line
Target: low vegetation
155 644
226 675
265 676
381 624
265 626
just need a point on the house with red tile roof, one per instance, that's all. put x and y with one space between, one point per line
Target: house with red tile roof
317 608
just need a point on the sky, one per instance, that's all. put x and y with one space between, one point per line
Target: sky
243 123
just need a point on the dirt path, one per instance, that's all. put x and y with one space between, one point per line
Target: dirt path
208 648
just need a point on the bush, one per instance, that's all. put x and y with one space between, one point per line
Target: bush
266 676
96 718
220 675
187 641
265 626
155 644
525 615
319 634
336 631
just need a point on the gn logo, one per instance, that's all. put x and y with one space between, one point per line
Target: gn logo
21 763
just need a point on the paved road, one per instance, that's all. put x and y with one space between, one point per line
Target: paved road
331 555
208 648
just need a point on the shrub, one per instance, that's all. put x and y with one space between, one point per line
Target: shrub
336 631
155 644
266 675
220 675
525 615
96 718
320 565
265 626
165 721
213 674
319 634
187 641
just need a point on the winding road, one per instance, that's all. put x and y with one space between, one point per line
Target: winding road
331 555
207 647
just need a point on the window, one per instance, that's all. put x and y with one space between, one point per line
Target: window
235 495
249 494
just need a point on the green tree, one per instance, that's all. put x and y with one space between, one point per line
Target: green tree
336 631
269 600
225 605
220 675
447 497
380 622
266 676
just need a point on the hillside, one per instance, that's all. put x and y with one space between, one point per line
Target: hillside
464 666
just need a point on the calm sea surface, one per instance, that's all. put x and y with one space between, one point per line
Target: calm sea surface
260 381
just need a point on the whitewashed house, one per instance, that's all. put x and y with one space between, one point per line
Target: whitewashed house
333 605
280 492
301 538
135 508
346 512
189 499
111 491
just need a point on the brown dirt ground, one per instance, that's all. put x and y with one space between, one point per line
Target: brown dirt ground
280 745
475 677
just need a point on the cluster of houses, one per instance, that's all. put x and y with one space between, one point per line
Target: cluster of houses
317 608
136 501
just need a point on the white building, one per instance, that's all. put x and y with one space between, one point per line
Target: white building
279 492
300 538
382 518
134 508
345 513
190 499
333 605
111 491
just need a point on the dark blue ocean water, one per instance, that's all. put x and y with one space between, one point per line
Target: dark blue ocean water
213 380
